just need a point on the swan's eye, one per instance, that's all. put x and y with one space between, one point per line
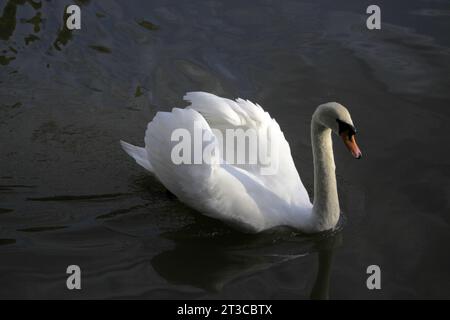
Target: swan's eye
346 127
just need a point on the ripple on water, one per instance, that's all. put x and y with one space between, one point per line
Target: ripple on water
5 242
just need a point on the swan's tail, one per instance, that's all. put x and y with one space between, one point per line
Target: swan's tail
138 154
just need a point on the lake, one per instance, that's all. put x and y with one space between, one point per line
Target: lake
69 195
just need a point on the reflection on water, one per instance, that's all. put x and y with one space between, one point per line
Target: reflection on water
212 261
7 241
68 194
8 18
325 251
148 25
64 34
8 21
41 229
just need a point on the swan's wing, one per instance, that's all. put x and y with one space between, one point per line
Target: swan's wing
138 154
222 113
281 176
181 179
207 186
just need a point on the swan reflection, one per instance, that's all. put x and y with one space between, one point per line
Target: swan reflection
211 261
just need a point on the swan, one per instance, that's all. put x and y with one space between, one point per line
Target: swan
240 194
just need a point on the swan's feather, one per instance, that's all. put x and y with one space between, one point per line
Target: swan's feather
138 154
236 194
207 188
222 113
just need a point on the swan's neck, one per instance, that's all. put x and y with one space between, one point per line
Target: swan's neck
325 212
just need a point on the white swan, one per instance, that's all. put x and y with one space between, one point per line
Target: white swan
239 194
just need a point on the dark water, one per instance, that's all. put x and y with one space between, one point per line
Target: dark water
69 194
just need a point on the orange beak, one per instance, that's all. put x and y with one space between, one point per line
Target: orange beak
351 145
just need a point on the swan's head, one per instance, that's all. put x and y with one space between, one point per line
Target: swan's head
336 117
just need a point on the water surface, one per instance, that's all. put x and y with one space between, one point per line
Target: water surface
69 194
